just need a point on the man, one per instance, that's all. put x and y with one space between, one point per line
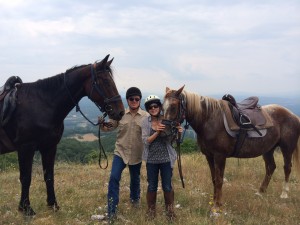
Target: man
128 150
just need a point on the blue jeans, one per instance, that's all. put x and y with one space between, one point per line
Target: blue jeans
118 166
166 173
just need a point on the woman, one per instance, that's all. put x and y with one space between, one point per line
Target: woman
159 155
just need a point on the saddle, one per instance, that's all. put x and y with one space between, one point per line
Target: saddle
8 98
246 116
8 103
10 84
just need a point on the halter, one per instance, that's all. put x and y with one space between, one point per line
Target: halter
179 117
107 107
173 124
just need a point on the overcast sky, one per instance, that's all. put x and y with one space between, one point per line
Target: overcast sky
211 46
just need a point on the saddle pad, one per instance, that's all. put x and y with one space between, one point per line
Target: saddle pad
232 124
250 133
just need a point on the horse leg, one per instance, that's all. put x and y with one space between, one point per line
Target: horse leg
48 158
270 167
219 165
25 159
210 161
287 171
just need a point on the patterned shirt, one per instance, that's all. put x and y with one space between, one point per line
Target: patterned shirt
146 132
158 152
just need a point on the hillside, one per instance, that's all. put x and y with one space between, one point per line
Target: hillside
76 124
81 192
75 121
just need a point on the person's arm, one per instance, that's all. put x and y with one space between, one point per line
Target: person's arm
160 127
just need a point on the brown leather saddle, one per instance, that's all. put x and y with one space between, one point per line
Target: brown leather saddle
248 115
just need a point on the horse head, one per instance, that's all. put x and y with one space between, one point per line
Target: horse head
174 109
102 90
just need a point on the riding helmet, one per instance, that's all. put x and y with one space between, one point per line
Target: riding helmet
133 91
152 99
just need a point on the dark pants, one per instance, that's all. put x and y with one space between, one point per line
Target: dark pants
166 173
118 166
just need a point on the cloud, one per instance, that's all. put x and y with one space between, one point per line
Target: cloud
209 46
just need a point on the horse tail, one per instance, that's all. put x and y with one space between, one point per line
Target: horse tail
296 155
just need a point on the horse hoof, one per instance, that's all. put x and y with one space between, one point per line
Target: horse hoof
54 207
215 212
27 210
259 194
284 195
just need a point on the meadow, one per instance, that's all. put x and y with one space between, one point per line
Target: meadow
81 192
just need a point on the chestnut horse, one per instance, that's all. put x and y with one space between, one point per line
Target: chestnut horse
37 123
205 115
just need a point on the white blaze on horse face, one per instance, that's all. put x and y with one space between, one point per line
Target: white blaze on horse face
166 106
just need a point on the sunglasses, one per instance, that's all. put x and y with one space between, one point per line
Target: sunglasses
134 99
154 106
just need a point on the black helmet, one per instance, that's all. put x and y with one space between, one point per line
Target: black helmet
133 91
150 100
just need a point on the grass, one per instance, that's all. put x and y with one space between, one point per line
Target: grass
81 192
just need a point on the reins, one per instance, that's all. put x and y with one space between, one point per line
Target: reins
179 140
106 109
101 150
179 119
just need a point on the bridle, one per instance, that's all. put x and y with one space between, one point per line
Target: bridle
180 117
107 108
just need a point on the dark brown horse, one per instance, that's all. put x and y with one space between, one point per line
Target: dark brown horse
37 122
205 115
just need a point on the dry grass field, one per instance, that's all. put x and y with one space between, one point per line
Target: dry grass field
81 192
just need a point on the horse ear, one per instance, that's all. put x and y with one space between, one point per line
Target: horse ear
167 89
109 62
104 61
178 92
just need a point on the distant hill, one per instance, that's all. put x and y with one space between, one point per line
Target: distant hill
75 123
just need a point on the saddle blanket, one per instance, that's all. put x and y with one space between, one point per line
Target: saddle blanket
250 133
232 124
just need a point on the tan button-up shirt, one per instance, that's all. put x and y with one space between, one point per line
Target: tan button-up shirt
129 145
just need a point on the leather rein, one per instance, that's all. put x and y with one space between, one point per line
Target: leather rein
180 117
105 109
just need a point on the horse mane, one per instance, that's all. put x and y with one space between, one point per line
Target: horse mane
55 81
75 68
50 82
110 70
196 104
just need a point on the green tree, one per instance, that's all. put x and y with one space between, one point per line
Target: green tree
189 145
8 161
